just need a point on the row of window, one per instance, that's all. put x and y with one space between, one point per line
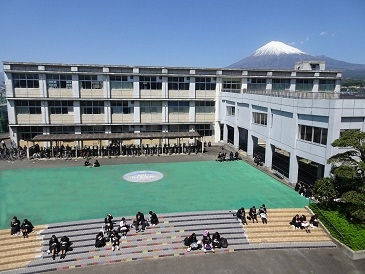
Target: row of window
27 133
313 134
174 83
117 107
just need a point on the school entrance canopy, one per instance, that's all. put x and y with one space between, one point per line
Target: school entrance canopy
114 136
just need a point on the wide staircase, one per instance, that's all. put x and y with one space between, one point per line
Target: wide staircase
164 240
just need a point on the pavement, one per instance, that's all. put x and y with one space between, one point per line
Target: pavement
288 261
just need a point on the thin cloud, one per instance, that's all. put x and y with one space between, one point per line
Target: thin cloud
323 33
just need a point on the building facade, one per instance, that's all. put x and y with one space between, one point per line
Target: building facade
295 113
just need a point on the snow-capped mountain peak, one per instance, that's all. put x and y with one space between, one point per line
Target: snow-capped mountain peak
276 48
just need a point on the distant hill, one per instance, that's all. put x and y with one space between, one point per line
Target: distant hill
277 55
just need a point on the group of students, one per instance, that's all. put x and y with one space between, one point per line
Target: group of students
109 234
252 215
303 190
300 222
61 246
16 228
207 243
88 164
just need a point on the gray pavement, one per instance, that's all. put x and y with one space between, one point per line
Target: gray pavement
288 261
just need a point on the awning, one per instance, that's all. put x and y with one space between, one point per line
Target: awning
109 136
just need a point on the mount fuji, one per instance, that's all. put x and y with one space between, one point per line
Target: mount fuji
277 55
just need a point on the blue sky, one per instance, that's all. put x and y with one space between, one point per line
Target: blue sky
192 33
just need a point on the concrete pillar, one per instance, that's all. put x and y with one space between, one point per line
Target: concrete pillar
293 169
225 133
269 151
236 141
250 144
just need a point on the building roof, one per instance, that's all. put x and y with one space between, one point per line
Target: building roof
108 136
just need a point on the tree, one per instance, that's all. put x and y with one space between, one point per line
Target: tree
349 170
324 190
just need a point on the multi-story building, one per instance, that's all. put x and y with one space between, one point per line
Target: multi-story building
293 114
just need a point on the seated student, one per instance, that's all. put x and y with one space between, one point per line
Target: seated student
192 242
140 221
153 218
241 215
253 214
64 246
313 222
304 224
87 163
96 164
26 228
296 222
114 238
263 214
15 226
207 241
108 221
216 240
53 246
100 240
123 228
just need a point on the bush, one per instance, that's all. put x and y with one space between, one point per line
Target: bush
349 233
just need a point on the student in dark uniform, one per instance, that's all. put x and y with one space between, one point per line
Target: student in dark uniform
108 221
140 221
53 246
253 214
153 218
26 228
15 226
114 238
64 246
100 240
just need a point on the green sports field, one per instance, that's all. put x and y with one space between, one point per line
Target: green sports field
50 195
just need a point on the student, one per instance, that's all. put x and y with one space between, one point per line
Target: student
64 246
216 240
296 222
192 242
304 224
253 214
26 228
108 221
96 164
87 163
207 241
53 246
114 238
100 240
313 222
123 228
153 218
15 226
241 215
263 214
140 221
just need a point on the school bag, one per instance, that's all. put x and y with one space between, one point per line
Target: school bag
224 243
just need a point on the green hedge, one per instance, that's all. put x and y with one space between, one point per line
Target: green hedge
352 235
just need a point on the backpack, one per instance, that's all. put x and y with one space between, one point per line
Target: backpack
194 246
208 247
186 241
224 243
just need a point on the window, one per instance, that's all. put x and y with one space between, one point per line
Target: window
204 107
151 107
122 129
149 82
326 85
205 129
152 128
90 82
59 81
231 111
27 133
280 84
256 84
178 107
28 107
92 129
122 107
120 82
92 107
178 128
177 83
232 85
304 85
259 118
60 107
26 80
204 83
62 130
313 134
